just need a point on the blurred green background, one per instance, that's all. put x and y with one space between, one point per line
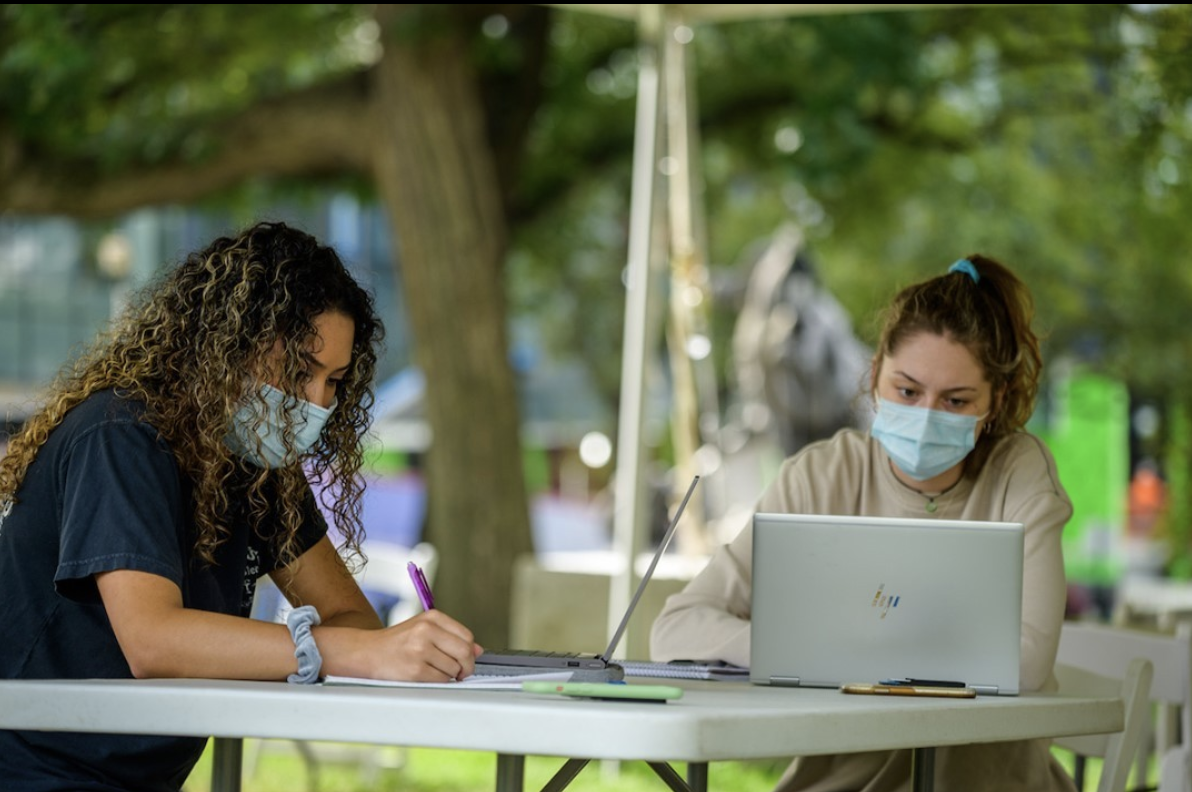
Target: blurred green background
474 163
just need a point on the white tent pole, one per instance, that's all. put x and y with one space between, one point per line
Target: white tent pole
630 482
687 272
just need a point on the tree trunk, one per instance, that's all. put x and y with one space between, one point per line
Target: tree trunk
435 170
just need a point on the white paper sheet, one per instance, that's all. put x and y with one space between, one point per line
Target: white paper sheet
476 681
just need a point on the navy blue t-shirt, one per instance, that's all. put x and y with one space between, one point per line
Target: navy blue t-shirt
104 493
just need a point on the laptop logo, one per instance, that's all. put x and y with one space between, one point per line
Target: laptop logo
883 601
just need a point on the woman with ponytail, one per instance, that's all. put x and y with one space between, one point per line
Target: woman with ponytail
953 382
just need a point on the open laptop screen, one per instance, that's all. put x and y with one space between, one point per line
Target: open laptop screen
840 600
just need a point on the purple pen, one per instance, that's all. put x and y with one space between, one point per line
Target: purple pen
421 586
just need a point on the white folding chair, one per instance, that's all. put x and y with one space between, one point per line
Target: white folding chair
1108 649
1115 652
1117 749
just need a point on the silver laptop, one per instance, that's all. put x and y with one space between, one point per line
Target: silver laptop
841 600
584 666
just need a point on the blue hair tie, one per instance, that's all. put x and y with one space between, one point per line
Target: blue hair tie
966 266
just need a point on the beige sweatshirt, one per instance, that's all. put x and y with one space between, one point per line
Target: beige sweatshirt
850 474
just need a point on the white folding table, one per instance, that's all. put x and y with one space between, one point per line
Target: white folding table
713 721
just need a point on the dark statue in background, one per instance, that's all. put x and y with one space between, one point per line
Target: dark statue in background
799 367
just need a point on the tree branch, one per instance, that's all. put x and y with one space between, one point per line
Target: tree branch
322 131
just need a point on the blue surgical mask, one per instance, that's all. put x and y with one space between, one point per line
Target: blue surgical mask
922 442
256 432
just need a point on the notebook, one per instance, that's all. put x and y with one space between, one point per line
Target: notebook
840 600
684 669
585 666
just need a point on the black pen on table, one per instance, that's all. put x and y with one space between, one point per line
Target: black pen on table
421 586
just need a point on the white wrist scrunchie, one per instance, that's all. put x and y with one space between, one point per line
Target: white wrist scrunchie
310 662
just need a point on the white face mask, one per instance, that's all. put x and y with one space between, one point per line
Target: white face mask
923 442
256 432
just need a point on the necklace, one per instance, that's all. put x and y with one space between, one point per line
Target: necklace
930 506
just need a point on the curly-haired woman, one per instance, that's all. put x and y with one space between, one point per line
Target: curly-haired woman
166 470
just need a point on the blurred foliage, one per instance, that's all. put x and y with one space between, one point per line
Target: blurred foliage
124 85
1053 137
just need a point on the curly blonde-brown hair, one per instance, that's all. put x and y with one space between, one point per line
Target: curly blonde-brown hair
188 347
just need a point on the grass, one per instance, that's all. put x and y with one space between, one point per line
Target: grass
277 766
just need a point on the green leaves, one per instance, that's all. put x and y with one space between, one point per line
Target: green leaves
124 85
1053 137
